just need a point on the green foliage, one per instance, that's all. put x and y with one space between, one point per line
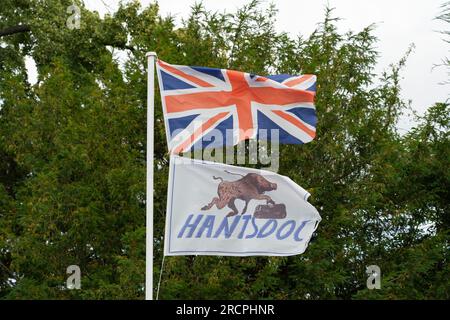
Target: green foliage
72 160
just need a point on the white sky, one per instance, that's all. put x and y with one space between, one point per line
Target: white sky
399 23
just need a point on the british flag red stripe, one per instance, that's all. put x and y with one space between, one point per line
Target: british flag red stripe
197 100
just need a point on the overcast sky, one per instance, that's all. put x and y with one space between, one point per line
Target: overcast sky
399 23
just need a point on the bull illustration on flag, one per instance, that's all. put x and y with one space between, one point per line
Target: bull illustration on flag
198 102
219 209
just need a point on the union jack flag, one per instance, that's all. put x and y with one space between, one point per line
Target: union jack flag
199 102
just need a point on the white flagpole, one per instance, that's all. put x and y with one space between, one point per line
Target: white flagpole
151 57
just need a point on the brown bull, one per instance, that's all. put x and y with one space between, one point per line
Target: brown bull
251 186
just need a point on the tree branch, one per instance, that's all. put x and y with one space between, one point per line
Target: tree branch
13 30
26 28
119 45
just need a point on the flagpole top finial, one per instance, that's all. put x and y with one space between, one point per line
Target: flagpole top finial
151 54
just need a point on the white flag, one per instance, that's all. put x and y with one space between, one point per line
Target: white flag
218 209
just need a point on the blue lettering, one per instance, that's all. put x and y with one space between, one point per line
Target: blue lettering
224 226
300 228
288 233
191 226
265 226
255 227
208 225
247 219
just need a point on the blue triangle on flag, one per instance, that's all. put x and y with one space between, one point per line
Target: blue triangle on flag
217 73
172 83
211 139
308 115
265 123
279 77
180 123
312 88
